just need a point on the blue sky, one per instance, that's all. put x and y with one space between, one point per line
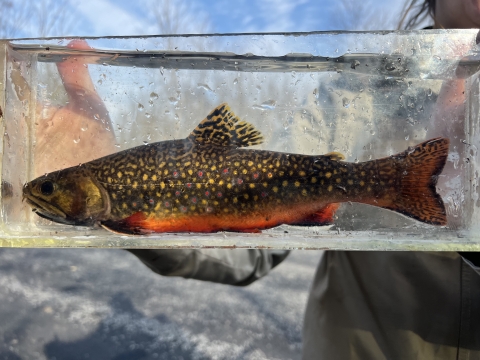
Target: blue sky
126 17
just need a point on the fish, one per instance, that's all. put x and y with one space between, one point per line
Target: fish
211 181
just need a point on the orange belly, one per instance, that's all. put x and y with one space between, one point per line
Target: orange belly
207 223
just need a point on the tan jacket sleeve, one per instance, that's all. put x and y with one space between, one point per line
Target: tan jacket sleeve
234 267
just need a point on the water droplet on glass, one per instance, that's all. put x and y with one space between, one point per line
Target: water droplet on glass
140 107
372 132
145 142
407 137
204 86
77 140
153 96
235 82
161 70
346 103
148 115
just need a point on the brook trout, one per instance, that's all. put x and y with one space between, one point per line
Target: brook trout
208 183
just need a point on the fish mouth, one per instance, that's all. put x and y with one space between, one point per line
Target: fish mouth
48 211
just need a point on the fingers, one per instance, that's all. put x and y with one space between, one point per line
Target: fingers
74 72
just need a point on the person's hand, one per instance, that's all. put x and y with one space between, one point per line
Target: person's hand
78 132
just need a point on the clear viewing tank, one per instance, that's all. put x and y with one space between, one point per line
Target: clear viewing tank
356 96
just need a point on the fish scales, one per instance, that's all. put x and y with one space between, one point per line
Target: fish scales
208 182
183 179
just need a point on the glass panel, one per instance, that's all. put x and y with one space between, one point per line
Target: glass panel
359 97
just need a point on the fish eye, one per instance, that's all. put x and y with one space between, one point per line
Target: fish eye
47 187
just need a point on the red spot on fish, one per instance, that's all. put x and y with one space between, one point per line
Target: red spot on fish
194 200
207 193
151 201
176 174
178 193
209 209
225 171
264 194
239 181
255 176
167 204
200 174
183 208
219 194
189 185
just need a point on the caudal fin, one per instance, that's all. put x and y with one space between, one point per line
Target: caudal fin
418 168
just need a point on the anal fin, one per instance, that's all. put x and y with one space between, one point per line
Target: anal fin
321 218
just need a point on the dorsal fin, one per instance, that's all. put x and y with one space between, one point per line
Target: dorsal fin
223 128
335 156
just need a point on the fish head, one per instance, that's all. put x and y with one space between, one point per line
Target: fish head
70 196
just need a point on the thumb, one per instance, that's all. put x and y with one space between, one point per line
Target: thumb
74 72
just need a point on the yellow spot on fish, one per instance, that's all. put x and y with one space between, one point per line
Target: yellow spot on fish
225 209
135 185
335 172
259 165
235 200
213 168
109 179
369 189
215 203
211 181
362 183
229 186
162 185
165 172
114 196
328 175
188 163
265 184
297 183
190 171
236 163
157 207
199 185
338 180
275 189
244 171
301 173
154 177
119 174
250 163
252 186
285 183
314 180
124 206
255 197
304 192
350 182
245 196
330 188
362 173
220 182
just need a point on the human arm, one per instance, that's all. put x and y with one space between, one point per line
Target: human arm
238 267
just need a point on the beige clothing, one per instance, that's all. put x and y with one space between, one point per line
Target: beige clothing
363 305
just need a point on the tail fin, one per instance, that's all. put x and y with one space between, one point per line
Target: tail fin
419 168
